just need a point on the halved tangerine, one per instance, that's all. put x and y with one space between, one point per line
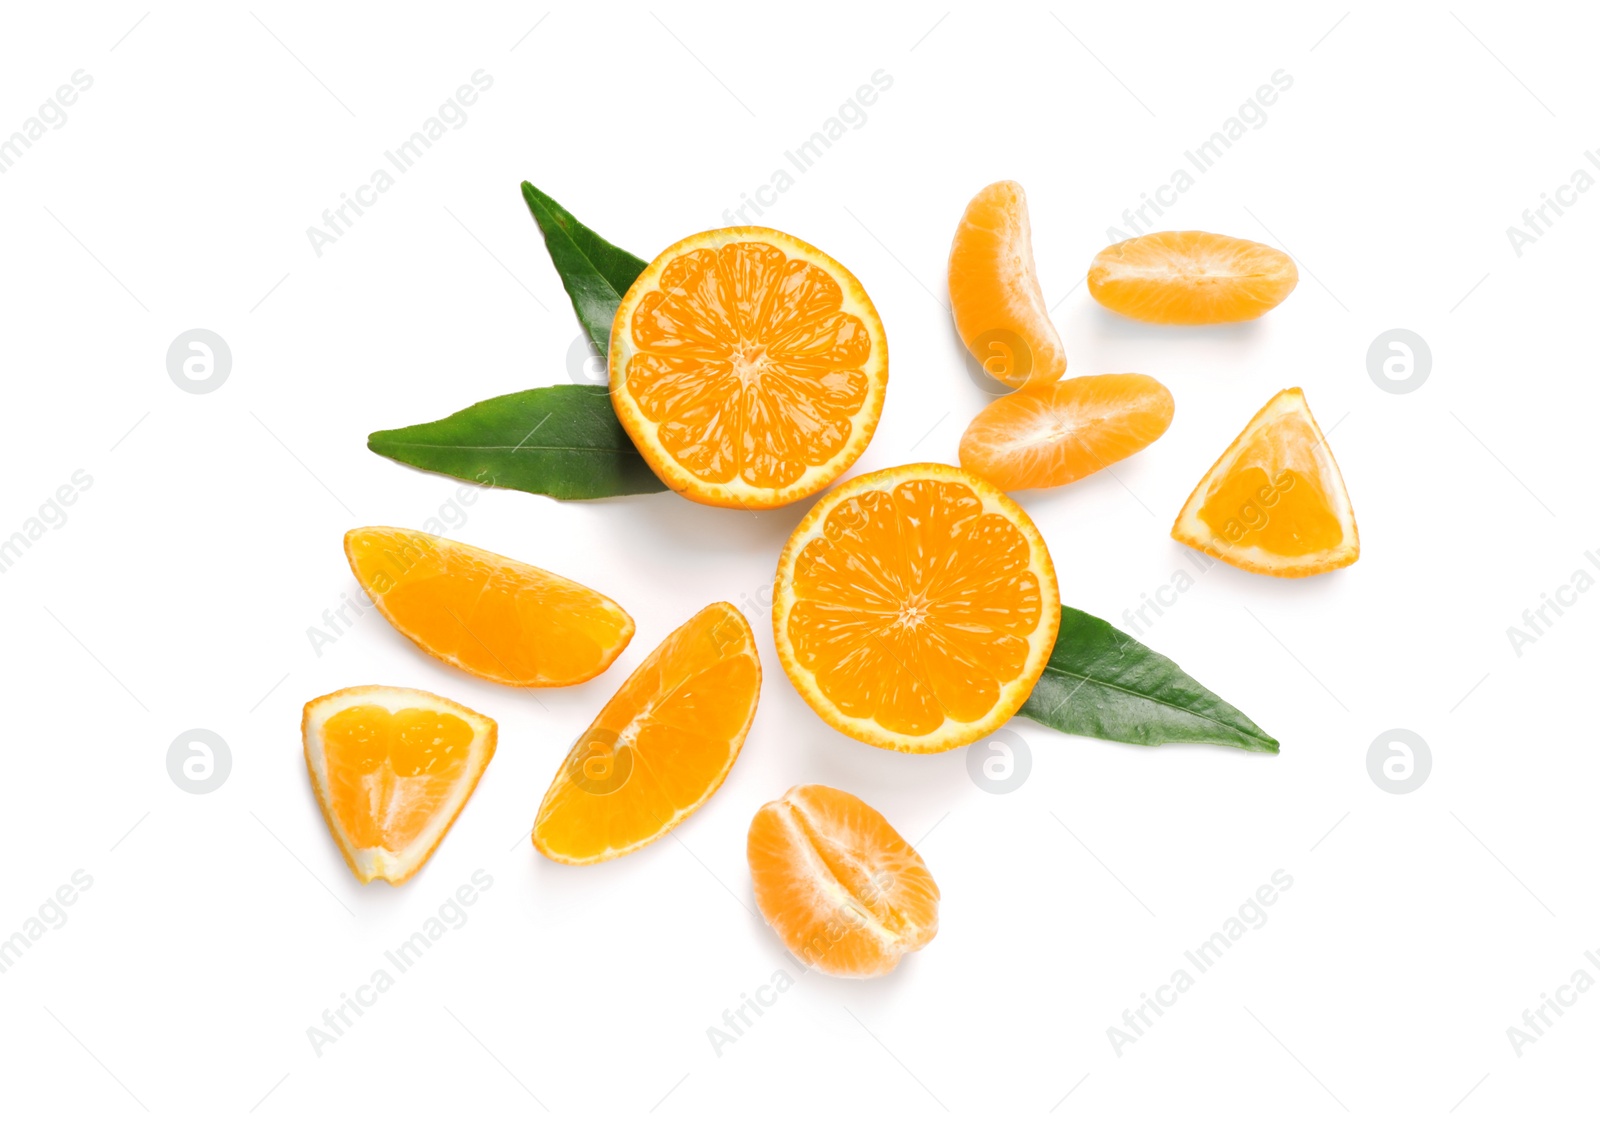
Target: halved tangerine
840 887
1274 502
915 608
995 297
748 367
660 748
484 613
1042 437
392 768
1191 277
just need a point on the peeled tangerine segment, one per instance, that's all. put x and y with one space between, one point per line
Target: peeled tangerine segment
1191 277
915 608
995 297
1042 437
1274 503
748 367
841 888
486 614
660 748
392 769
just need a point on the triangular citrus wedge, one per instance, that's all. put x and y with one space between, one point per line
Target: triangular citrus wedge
660 748
1274 503
486 614
392 768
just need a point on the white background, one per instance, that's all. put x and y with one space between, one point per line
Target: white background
180 591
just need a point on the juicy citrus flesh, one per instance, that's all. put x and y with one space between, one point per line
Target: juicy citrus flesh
1275 502
392 768
915 608
1191 277
486 614
660 748
995 296
1043 437
748 367
840 887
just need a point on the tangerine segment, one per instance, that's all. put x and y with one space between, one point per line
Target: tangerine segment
994 291
1042 437
1274 503
392 769
484 613
915 608
748 367
1191 277
660 748
843 890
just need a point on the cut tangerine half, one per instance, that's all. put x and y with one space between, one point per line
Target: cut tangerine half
1274 503
486 614
1042 437
915 608
995 297
748 367
660 748
840 887
392 769
1191 277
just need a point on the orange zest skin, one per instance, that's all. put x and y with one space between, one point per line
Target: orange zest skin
840 887
995 297
1274 503
915 608
486 614
660 748
1191 277
748 367
392 768
1043 437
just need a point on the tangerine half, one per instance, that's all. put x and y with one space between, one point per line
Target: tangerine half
915 608
748 367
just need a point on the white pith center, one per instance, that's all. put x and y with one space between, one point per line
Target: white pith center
748 363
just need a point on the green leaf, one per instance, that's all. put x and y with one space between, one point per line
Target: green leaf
1102 683
562 441
595 273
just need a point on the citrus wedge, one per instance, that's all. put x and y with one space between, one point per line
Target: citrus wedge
392 768
748 367
486 614
915 607
1042 437
840 887
995 297
660 748
1191 277
1274 503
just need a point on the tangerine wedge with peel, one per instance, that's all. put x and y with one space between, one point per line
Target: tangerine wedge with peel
1191 277
486 614
748 367
840 887
1274 503
915 607
1042 437
392 769
660 748
995 297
